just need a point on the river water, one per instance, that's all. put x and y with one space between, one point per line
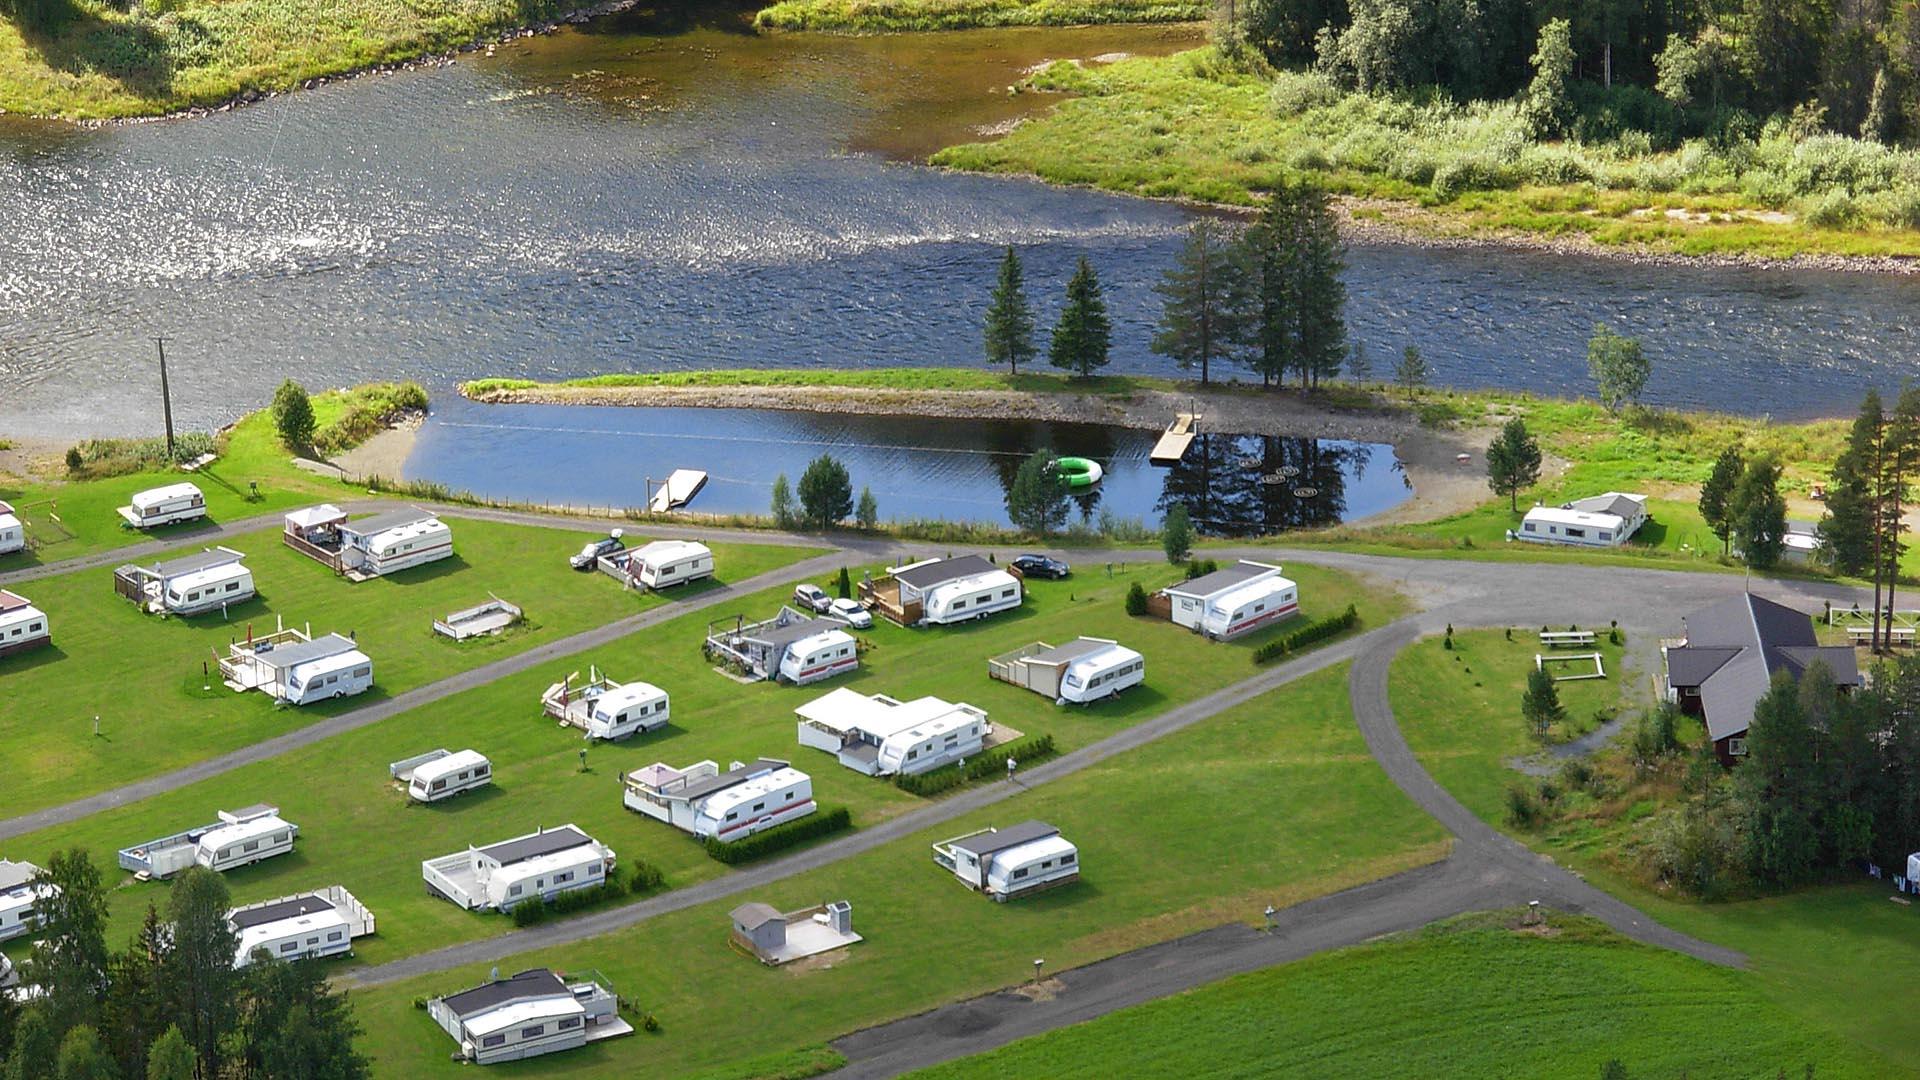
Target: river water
640 196
917 468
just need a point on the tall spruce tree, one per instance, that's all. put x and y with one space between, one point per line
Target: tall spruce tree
1902 458
1083 336
1716 495
292 1025
135 1007
197 968
1513 462
1760 513
1847 531
1266 305
1320 296
69 962
1009 327
1778 787
1197 293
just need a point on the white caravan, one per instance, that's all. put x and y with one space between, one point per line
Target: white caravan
533 1013
538 866
606 709
292 667
441 774
665 563
704 801
13 534
826 652
1010 862
19 898
880 736
1607 520
1235 600
164 506
22 626
239 838
1081 671
956 590
393 541
303 927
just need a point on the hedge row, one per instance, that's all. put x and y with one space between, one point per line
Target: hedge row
780 837
990 764
641 877
1311 634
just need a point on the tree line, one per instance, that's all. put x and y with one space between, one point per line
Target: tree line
170 1005
1830 781
1667 67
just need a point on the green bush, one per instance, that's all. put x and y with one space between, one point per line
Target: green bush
642 876
988 765
366 410
1136 599
780 837
1311 634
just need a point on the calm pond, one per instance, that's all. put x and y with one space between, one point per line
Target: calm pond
954 470
665 195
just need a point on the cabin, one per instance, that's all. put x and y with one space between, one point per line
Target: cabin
159 506
606 709
880 736
441 774
19 897
1726 663
1598 521
1006 863
790 647
189 585
22 626
939 591
1233 601
1083 670
303 927
702 800
775 937
240 838
13 534
532 1013
661 564
294 668
538 866
371 547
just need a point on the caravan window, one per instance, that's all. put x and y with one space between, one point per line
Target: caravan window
493 1040
290 946
958 604
515 891
1578 534
533 1032
1604 535
439 785
1067 859
759 806
251 845
562 879
1528 527
362 672
1006 593
334 936
233 586
569 1022
1020 873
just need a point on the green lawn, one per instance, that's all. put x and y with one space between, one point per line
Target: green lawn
1273 802
1460 709
1475 996
357 831
142 674
1828 955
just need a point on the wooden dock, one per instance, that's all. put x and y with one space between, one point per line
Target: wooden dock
676 491
1175 440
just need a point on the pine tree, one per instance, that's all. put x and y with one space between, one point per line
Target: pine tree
197 969
1411 372
783 515
292 412
866 513
69 962
292 1025
1176 533
1037 499
1540 704
170 1058
135 1007
1082 337
826 492
1196 292
34 1046
1513 462
1778 787
1320 297
1009 328
1549 102
1265 304
1759 514
1847 531
1716 494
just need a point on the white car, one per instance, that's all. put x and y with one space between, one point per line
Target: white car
851 613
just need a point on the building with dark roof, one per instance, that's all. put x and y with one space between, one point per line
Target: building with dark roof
1728 660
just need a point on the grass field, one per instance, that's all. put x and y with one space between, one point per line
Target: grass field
1827 955
142 674
1472 997
356 830
1188 126
894 16
1272 802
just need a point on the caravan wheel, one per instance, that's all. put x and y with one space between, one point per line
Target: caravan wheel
338 694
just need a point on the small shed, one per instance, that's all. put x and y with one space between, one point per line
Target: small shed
775 937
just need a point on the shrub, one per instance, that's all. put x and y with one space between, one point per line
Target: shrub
293 415
1136 599
1523 811
74 459
989 764
1294 92
1310 634
780 837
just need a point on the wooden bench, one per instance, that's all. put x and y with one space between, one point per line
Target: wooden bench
1898 635
1566 639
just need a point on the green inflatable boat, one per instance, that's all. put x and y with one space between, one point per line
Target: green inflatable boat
1079 472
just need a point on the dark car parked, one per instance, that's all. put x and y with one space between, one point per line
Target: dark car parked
1041 566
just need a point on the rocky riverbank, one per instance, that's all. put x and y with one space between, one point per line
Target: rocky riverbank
1442 484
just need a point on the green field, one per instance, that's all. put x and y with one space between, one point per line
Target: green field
357 830
142 674
1825 954
1272 802
1476 996
895 16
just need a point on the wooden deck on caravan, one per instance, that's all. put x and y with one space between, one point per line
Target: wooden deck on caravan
883 595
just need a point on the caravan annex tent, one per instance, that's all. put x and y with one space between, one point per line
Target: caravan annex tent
880 736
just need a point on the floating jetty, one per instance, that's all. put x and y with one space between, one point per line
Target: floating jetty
676 491
1175 440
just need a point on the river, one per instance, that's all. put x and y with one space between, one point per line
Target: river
644 196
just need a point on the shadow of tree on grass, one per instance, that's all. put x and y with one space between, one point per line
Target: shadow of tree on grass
81 39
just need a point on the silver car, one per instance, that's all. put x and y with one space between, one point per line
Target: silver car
851 613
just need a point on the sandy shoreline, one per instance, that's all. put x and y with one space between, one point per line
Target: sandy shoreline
1442 485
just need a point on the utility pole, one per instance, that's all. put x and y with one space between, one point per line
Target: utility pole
166 397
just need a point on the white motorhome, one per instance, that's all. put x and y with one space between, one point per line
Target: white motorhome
661 564
393 541
302 927
1081 671
956 590
1010 862
1234 600
13 534
164 506
1607 520
292 667
605 709
704 801
189 585
538 866
533 1013
239 838
880 736
22 626
442 774
19 898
